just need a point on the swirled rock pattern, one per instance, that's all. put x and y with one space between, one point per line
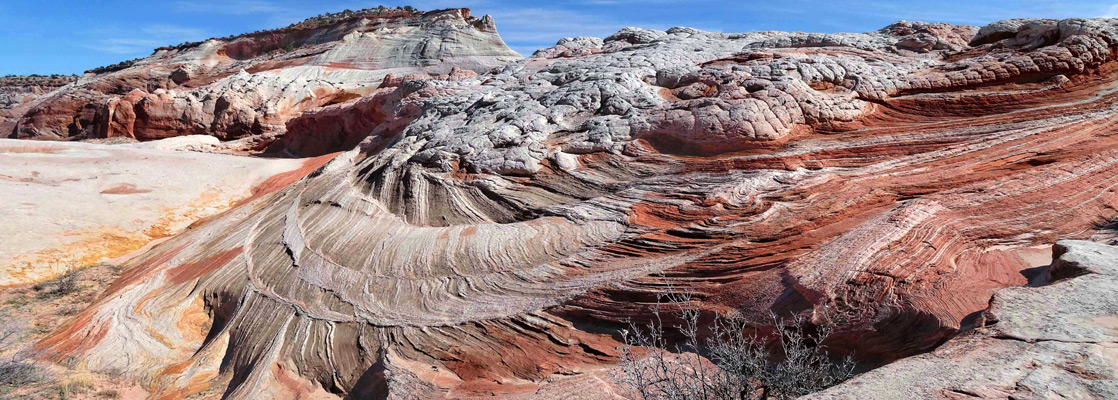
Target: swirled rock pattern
489 235
247 87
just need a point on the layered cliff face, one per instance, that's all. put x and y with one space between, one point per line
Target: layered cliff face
492 232
17 91
247 87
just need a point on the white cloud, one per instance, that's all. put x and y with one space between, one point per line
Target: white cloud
538 24
525 29
234 7
140 41
123 46
173 31
1111 12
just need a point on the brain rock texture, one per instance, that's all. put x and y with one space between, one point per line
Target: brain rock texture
490 234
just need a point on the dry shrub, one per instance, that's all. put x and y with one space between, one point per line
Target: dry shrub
68 283
718 361
17 364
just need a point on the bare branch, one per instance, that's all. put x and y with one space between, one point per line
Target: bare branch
728 364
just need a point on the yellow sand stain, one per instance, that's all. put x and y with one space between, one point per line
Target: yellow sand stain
193 375
194 323
98 243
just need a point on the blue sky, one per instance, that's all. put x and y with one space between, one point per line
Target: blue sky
71 36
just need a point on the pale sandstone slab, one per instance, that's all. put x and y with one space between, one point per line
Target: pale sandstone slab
72 204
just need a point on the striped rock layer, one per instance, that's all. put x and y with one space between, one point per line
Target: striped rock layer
494 238
1052 341
247 87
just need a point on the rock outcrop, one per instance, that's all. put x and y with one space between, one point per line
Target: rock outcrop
17 91
1055 341
382 114
493 232
247 87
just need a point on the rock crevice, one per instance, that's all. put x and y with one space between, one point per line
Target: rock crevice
1036 342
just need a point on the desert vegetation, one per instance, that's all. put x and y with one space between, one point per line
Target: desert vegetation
53 80
313 23
17 366
65 284
114 67
347 14
680 355
27 314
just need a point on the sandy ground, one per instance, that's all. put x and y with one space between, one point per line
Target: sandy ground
69 205
34 310
88 208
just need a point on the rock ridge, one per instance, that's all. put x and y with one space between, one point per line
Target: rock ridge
489 234
246 87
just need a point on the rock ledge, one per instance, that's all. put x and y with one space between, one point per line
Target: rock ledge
1055 341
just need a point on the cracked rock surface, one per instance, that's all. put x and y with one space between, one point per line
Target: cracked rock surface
489 234
1054 341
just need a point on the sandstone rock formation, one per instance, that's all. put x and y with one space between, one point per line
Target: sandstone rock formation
17 91
490 234
249 86
1055 341
383 114
69 205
